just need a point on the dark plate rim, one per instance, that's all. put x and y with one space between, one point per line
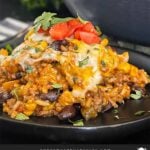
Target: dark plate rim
140 119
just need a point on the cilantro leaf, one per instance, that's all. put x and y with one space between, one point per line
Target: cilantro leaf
48 19
57 86
115 111
84 61
81 20
139 113
77 123
59 20
21 117
15 93
44 20
98 30
29 69
9 48
103 63
137 95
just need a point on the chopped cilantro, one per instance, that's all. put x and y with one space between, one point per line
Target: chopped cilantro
139 113
47 19
57 86
84 61
43 21
137 95
103 63
77 123
37 50
82 20
9 48
75 47
98 30
29 69
74 79
21 117
115 111
14 92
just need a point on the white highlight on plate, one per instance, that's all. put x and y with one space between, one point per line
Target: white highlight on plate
7 30
2 37
16 23
141 148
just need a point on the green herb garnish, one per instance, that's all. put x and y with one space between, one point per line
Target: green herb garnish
137 95
139 113
74 79
21 117
103 63
43 21
115 111
98 30
29 69
37 50
77 123
81 20
84 61
15 93
9 48
48 19
57 86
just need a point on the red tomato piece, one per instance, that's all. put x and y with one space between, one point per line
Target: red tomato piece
59 31
89 38
73 24
43 31
89 27
77 34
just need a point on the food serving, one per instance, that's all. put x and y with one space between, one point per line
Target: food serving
64 67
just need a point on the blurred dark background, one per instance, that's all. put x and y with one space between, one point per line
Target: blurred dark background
27 10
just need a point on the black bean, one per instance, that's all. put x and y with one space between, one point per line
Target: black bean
64 42
52 95
4 96
77 106
19 75
56 45
67 113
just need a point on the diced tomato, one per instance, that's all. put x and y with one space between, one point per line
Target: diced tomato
43 31
89 27
89 38
40 30
73 25
59 31
77 34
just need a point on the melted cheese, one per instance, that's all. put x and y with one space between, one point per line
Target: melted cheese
89 74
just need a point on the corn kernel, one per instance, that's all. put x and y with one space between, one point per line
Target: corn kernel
125 67
30 106
3 52
104 42
28 112
43 44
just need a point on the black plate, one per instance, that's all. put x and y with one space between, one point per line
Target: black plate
103 128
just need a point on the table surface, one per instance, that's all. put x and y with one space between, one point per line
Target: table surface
142 137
